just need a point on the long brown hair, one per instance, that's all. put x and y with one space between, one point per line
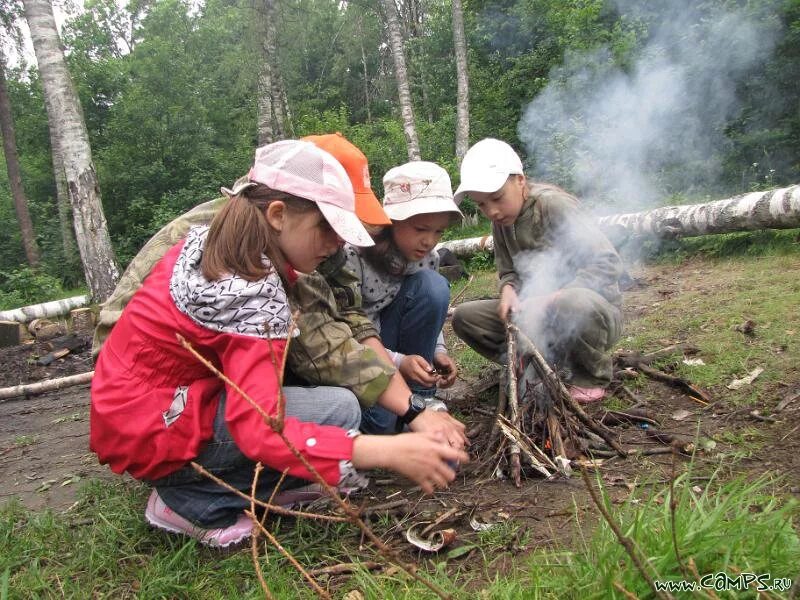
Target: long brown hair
240 235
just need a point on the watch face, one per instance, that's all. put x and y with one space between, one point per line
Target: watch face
417 403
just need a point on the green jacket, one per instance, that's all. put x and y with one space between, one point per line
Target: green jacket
327 351
550 220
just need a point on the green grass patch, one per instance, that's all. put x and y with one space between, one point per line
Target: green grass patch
103 549
717 297
734 527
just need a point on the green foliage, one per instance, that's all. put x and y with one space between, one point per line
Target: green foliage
169 94
25 286
733 527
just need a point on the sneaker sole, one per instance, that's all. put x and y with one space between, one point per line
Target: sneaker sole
158 523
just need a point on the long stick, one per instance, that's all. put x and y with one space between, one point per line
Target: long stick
626 542
558 390
513 405
254 536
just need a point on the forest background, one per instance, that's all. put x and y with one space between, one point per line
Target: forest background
628 104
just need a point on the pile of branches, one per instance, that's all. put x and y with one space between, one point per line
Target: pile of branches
540 429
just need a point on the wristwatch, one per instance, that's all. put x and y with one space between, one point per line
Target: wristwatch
416 404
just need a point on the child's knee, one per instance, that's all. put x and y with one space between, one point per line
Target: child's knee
346 408
430 287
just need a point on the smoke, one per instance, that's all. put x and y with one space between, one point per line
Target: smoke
621 138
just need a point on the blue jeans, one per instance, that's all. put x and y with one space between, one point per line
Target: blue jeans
204 503
411 325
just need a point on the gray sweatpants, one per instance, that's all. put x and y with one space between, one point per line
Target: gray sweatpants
207 504
576 332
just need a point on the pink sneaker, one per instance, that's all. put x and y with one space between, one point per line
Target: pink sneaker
162 516
299 496
586 395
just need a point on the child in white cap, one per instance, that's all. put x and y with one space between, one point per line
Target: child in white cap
571 299
401 291
227 290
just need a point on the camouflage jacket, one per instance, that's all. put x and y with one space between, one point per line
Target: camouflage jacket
327 351
552 230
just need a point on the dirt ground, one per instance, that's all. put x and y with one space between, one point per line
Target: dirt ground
44 453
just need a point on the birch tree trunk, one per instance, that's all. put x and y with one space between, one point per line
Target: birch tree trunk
395 38
773 209
64 110
14 173
65 219
462 98
266 112
364 68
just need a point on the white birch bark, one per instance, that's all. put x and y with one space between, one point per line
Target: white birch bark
772 209
266 119
395 39
65 220
64 109
45 310
462 79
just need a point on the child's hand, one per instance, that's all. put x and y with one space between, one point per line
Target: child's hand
422 457
415 368
446 369
443 425
509 302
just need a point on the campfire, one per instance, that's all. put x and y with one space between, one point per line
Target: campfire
540 430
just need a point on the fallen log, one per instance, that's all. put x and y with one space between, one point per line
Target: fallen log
44 310
773 209
40 387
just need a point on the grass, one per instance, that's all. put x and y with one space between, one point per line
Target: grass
103 549
763 289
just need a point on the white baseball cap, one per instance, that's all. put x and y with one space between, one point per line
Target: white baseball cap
486 167
302 169
415 188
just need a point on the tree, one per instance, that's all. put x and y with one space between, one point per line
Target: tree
269 126
64 109
395 38
14 174
462 101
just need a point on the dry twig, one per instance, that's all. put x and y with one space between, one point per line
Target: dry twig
626 542
513 404
344 568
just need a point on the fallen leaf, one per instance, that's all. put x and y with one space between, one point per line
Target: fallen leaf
680 415
739 383
694 362
353 595
461 551
708 445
